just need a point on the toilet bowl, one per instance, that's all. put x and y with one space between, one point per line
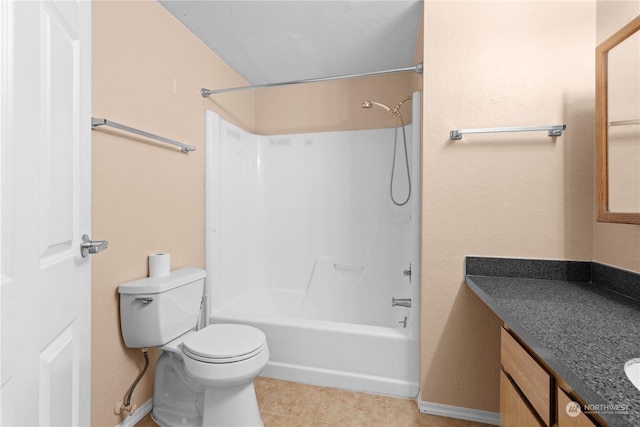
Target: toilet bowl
205 377
222 355
223 360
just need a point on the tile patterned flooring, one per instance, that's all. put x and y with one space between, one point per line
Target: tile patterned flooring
290 404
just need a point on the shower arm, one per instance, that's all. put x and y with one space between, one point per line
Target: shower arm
396 109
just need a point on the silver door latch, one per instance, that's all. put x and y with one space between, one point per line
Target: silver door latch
88 246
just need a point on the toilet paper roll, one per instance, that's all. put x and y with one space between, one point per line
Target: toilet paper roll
159 265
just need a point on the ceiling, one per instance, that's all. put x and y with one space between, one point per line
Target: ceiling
274 41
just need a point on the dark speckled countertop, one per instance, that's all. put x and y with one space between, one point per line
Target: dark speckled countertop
575 320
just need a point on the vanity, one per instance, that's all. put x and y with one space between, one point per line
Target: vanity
568 329
571 330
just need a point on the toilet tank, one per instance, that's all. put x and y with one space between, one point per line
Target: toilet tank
156 310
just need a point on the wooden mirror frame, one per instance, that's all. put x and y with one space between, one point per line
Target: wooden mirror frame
602 127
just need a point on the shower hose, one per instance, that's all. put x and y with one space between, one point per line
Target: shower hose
398 116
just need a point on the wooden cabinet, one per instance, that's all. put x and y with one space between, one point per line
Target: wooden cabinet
528 375
570 413
528 394
524 385
514 410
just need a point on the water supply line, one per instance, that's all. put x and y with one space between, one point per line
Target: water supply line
395 112
126 406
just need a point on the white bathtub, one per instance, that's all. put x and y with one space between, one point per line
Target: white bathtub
340 330
352 356
304 243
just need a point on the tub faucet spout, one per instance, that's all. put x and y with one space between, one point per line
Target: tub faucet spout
402 302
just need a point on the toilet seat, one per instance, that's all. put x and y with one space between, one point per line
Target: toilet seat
224 343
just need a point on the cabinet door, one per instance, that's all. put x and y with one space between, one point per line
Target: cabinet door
530 377
513 409
570 414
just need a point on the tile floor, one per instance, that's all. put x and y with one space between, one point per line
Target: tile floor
289 404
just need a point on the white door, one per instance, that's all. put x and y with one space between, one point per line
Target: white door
45 291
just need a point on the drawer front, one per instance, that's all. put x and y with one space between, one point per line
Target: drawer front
531 378
513 410
570 415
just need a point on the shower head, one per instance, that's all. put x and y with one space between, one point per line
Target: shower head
395 110
369 104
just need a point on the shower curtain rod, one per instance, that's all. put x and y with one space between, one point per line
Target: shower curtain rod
208 92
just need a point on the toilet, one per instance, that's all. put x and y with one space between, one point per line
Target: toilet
204 377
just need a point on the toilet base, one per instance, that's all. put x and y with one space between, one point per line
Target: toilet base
231 407
177 399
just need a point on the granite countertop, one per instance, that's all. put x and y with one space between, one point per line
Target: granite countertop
579 327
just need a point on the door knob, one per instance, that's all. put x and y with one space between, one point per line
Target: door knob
88 246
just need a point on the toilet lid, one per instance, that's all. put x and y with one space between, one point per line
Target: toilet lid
224 343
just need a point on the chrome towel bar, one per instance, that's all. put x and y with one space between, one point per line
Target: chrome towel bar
625 122
95 122
554 130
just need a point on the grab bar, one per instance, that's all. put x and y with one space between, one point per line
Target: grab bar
95 122
554 130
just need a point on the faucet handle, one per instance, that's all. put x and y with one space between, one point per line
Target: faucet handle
407 273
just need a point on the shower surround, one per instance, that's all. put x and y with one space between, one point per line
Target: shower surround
304 242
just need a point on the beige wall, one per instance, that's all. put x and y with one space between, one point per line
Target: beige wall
616 244
333 105
518 195
147 73
495 64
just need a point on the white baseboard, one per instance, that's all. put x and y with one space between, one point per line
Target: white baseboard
459 412
139 414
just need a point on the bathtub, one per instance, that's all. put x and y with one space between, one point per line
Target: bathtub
304 243
340 330
359 357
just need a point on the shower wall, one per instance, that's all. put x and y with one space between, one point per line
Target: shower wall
288 203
